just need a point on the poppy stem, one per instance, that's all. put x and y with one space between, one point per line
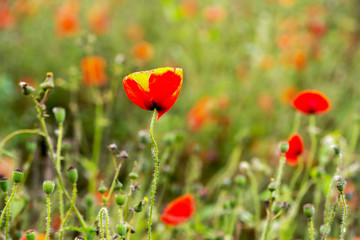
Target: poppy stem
311 228
309 163
279 175
48 217
7 205
58 164
344 217
63 223
7 218
330 218
156 158
296 122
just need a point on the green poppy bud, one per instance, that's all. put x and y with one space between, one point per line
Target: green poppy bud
4 184
30 235
48 187
72 174
340 184
102 188
337 150
60 114
27 90
133 175
18 175
118 185
120 199
121 229
240 180
309 210
284 147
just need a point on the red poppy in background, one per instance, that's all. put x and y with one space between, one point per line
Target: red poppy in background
98 18
199 113
93 68
214 13
158 88
67 19
143 51
296 148
7 19
311 102
179 210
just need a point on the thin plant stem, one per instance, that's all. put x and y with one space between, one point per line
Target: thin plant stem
156 158
58 164
7 205
309 163
279 175
106 200
268 219
98 126
103 212
330 218
63 223
18 132
296 125
7 218
48 217
311 228
354 137
127 204
342 232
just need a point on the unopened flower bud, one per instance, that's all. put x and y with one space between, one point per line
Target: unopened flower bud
240 180
30 235
113 148
121 229
123 154
26 89
138 208
72 173
49 82
120 199
309 210
48 187
18 175
118 185
102 188
284 146
340 184
60 114
272 185
133 175
337 150
4 184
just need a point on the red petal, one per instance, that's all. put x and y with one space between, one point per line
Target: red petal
179 210
295 149
311 102
137 95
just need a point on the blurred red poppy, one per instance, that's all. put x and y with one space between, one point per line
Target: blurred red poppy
67 19
311 102
7 19
199 113
93 68
214 13
179 210
143 51
98 18
158 88
295 149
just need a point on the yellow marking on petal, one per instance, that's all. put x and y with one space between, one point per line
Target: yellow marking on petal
142 78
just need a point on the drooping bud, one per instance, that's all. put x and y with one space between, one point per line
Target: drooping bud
272 185
138 207
284 147
18 175
48 187
102 188
118 185
72 174
60 114
309 210
123 154
48 84
27 90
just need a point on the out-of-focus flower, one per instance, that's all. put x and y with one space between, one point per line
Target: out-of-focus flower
93 69
288 94
300 60
154 89
179 210
7 166
265 102
286 41
134 32
143 51
317 28
295 149
241 71
311 102
214 13
67 22
267 62
25 8
189 8
98 18
286 3
7 19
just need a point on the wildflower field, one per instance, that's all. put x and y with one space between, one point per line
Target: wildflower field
179 119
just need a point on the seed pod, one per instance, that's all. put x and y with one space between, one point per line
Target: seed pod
284 147
120 199
48 187
340 184
102 188
121 229
48 84
4 184
72 174
30 235
18 175
309 210
60 114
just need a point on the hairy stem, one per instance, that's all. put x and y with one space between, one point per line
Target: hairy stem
48 217
106 200
58 165
311 228
344 217
7 205
330 218
69 211
7 218
156 158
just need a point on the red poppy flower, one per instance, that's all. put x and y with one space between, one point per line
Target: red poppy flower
311 102
98 18
295 149
158 88
179 210
93 68
67 19
7 19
